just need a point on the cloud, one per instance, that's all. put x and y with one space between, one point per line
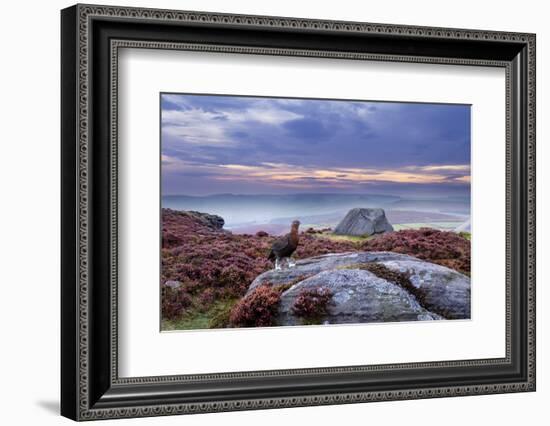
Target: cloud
289 175
446 167
264 115
193 127
199 126
312 143
465 179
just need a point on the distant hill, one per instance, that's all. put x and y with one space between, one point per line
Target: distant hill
443 205
246 209
394 216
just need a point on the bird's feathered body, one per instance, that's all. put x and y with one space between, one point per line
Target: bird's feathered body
284 246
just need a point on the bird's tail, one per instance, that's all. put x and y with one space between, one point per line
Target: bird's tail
271 255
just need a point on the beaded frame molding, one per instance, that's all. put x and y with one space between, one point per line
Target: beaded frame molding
91 39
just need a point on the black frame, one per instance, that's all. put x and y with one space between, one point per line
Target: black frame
90 387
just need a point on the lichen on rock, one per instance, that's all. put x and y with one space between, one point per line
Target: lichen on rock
361 293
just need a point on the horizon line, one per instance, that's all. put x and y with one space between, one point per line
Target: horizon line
291 193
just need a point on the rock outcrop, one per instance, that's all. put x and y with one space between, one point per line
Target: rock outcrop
177 225
425 291
439 289
212 221
362 222
326 262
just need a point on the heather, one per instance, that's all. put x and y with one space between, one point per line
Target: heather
400 278
442 247
258 309
311 305
215 266
174 302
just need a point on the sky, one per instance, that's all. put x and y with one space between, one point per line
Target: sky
256 145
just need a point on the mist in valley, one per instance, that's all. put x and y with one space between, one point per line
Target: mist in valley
273 212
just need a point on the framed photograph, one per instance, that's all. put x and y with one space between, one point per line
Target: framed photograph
263 212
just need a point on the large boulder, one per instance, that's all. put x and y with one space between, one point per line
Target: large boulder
361 222
425 291
327 262
439 289
358 296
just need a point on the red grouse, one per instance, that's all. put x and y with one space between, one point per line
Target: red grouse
283 247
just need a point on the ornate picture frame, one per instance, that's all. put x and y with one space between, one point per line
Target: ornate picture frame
91 37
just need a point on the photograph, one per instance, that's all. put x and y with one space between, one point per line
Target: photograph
281 211
264 209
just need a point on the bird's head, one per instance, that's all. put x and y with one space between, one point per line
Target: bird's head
295 225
